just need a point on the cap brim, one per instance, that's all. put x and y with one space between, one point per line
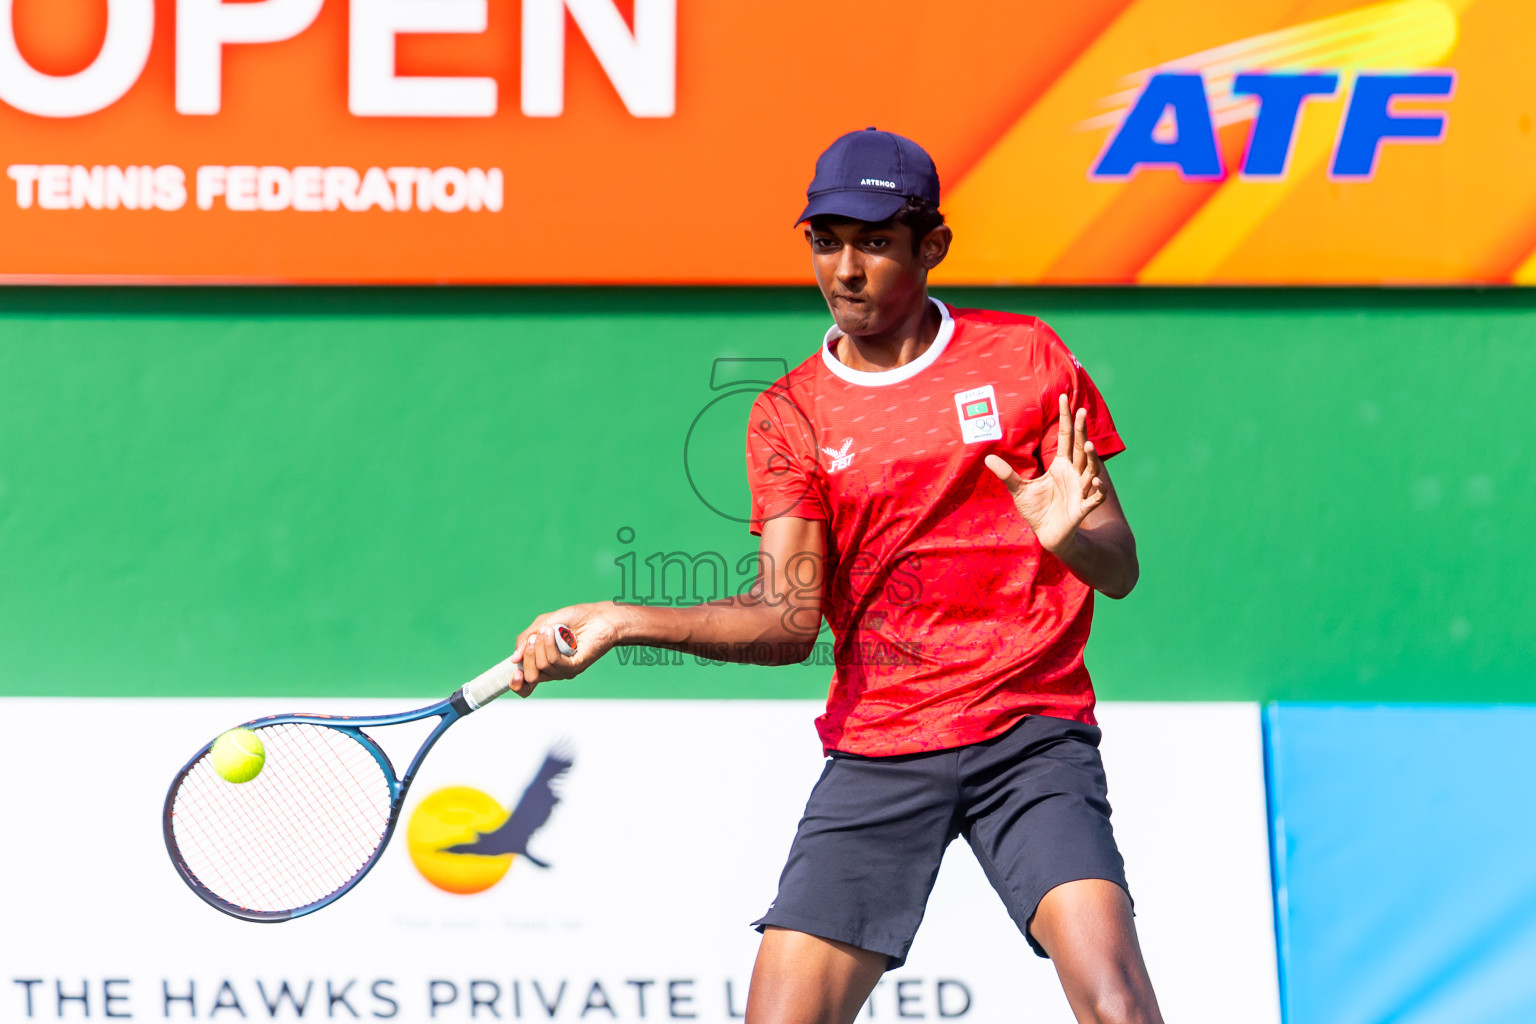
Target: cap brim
873 207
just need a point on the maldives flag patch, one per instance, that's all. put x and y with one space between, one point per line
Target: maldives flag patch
977 409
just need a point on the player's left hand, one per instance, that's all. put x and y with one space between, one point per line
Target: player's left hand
1055 503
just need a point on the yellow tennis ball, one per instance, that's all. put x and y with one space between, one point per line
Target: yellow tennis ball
238 755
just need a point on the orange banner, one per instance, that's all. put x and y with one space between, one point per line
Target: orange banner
652 141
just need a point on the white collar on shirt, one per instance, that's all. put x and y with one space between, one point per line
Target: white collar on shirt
880 378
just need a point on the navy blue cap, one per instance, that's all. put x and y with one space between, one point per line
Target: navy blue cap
869 175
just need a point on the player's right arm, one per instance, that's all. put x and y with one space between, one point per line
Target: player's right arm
774 623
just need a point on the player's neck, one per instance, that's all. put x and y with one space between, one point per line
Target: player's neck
888 350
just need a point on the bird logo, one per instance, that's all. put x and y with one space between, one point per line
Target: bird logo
463 841
840 456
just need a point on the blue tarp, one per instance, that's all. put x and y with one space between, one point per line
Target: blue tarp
1404 846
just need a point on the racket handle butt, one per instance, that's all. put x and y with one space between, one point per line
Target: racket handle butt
497 680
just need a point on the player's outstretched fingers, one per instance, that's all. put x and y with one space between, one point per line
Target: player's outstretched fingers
1005 473
1063 429
1096 467
1080 440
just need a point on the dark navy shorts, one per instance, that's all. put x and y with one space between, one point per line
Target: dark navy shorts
1031 803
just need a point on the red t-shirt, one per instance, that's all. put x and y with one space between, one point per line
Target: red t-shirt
950 621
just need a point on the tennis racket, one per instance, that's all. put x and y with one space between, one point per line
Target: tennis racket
307 829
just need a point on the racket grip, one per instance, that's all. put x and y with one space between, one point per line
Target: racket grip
497 680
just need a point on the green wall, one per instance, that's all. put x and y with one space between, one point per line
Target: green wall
369 492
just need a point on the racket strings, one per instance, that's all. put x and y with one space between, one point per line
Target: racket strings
295 834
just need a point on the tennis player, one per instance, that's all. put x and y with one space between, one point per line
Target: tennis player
931 482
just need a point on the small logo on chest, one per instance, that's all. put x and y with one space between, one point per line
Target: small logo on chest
979 419
840 456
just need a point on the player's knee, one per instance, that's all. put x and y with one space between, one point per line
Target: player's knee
1117 1004
787 1014
798 1006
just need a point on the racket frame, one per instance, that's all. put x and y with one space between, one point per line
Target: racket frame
449 711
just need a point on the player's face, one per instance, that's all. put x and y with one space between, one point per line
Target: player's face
868 273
